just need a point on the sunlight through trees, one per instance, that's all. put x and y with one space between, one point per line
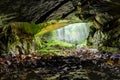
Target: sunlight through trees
75 33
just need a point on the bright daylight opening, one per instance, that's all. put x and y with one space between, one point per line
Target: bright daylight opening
76 33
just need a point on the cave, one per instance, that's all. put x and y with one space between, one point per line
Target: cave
60 40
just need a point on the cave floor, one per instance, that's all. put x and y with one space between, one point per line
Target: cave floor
57 68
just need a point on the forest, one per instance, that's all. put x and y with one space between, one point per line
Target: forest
59 40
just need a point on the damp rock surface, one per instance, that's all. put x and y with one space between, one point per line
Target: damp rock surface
57 68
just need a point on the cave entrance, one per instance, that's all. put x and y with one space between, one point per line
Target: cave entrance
76 33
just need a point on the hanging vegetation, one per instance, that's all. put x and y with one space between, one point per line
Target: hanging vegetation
19 35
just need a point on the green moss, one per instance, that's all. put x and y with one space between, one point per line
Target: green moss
60 43
54 46
44 51
31 28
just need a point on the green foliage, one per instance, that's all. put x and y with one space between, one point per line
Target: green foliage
45 51
53 46
60 43
83 44
20 33
51 27
49 35
32 28
37 29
